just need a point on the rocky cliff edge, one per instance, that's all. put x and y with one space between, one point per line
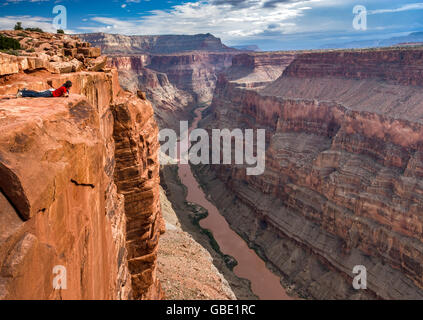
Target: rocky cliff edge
79 178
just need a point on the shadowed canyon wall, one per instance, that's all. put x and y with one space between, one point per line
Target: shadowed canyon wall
343 180
174 83
177 72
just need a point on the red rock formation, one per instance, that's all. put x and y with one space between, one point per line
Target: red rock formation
400 66
176 72
135 64
342 185
257 69
195 73
164 44
137 178
174 83
56 53
62 203
169 102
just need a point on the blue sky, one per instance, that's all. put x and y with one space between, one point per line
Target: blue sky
271 24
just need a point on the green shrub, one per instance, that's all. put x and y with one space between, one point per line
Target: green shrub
9 43
60 31
34 30
10 51
18 26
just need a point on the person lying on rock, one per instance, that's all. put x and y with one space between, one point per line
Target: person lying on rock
63 91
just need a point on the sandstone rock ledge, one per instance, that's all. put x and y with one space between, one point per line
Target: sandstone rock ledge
79 184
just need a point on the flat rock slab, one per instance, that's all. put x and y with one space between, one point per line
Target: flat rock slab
39 137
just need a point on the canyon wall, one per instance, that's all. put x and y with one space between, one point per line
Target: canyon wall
174 83
170 103
160 44
343 179
176 72
343 156
253 70
195 73
401 66
79 178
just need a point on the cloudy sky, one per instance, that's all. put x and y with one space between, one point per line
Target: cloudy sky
270 24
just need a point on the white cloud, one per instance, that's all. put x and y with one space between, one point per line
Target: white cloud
225 20
46 24
7 2
407 7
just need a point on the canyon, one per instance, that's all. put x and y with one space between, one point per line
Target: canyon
83 183
342 185
176 72
81 207
174 83
177 84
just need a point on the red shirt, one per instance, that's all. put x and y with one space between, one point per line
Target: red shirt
60 92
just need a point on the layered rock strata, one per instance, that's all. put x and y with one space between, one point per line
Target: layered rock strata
253 70
195 73
137 178
342 185
174 83
170 103
161 44
68 197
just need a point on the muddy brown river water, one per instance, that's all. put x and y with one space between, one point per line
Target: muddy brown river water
264 283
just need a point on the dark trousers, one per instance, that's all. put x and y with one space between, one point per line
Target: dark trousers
36 94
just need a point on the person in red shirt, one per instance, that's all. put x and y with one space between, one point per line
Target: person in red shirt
63 91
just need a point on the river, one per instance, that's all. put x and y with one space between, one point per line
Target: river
264 283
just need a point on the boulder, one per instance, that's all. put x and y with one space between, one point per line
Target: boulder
37 63
45 46
83 44
61 67
97 64
80 57
70 52
76 65
23 63
8 64
90 52
141 95
70 44
55 58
